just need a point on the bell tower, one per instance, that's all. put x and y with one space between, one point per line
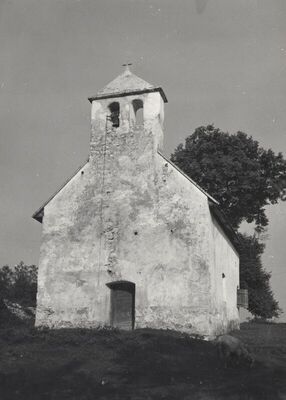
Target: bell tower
126 118
126 132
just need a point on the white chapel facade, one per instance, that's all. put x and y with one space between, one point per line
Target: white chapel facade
130 241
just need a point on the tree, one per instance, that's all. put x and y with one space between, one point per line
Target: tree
236 171
244 178
6 281
19 284
25 284
254 278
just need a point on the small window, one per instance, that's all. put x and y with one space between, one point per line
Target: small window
138 111
114 114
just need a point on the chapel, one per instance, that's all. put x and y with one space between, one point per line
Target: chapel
130 241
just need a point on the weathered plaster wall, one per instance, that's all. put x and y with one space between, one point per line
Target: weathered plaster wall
225 280
89 226
210 253
183 210
130 215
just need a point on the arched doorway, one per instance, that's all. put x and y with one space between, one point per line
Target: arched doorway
122 304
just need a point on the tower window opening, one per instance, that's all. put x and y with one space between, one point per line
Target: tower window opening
114 114
138 111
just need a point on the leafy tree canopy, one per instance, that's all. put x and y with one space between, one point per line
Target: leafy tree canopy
235 170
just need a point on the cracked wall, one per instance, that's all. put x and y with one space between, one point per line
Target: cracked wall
130 215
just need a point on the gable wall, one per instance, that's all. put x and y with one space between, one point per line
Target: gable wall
88 227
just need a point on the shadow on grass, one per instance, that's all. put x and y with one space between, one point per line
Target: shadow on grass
110 364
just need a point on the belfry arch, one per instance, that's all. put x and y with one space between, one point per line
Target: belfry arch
138 111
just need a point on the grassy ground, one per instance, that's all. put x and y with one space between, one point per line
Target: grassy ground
144 364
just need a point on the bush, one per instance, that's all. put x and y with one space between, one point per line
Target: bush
19 284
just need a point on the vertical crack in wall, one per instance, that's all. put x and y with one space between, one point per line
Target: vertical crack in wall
101 203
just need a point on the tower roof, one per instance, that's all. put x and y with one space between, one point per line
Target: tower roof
127 83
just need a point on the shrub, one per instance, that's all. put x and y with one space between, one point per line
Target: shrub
19 284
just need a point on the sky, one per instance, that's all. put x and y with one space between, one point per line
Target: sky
219 62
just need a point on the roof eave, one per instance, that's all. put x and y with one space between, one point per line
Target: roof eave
39 214
214 208
187 177
225 225
129 93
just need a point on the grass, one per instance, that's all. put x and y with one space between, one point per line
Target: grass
81 364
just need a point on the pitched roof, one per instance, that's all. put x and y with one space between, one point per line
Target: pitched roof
127 83
38 215
217 213
187 177
221 218
213 204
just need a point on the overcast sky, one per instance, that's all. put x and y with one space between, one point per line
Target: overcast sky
218 61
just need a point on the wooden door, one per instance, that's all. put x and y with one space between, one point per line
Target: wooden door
122 306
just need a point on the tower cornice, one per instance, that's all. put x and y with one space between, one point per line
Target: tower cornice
129 93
